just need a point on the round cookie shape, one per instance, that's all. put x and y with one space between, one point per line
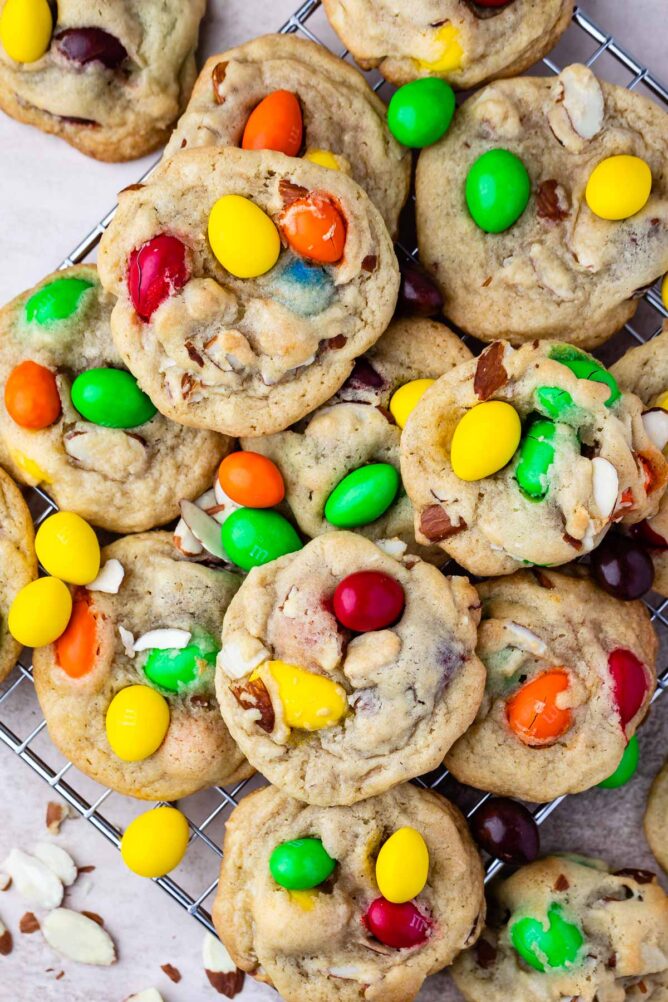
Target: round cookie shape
465 43
128 690
568 927
339 113
356 428
560 271
125 468
644 371
584 459
18 563
249 356
656 817
538 626
317 942
111 80
332 717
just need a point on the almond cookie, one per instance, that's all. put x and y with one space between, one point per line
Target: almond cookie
644 371
109 78
527 455
570 675
566 927
18 563
344 671
300 898
656 817
465 43
128 690
553 151
247 331
357 427
287 93
75 423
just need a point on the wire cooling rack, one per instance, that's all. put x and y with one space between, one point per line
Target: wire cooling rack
194 883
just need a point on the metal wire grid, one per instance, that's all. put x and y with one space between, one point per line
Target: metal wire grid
66 780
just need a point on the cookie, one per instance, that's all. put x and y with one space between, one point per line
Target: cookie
128 690
338 691
18 563
567 927
331 114
560 270
318 943
465 43
115 460
246 355
356 428
656 817
570 675
527 456
644 371
108 79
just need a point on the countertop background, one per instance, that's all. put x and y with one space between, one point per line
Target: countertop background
50 196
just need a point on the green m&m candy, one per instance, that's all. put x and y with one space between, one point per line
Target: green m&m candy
111 398
585 367
497 190
254 536
554 402
56 301
363 496
301 864
175 668
555 947
420 112
626 768
537 452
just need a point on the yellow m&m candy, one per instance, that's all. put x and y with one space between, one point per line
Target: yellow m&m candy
40 612
67 547
402 866
25 29
485 440
406 399
664 291
310 702
662 401
137 721
243 237
324 158
155 842
452 53
619 187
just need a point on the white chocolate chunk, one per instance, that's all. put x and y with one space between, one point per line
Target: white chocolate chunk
605 485
110 578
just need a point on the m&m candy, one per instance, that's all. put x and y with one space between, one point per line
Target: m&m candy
626 768
618 187
91 45
251 480
400 926
175 668
111 398
55 301
404 400
485 440
136 723
243 237
310 702
155 842
537 454
252 537
362 496
31 396
156 270
40 612
452 53
420 112
506 830
560 943
418 293
497 190
323 158
301 864
368 600
533 712
275 124
67 548
585 367
622 567
76 648
314 228
629 681
402 866
25 29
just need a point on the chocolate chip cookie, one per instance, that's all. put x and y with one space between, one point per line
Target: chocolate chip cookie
18 563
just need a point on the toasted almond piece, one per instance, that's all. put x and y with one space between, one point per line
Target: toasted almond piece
185 542
583 100
205 529
173 973
28 923
6 942
110 578
34 880
128 641
56 812
605 485
148 995
164 640
58 860
656 426
73 935
5 881
220 969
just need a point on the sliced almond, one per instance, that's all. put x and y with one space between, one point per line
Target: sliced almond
56 813
148 995
525 639
583 100
656 426
220 969
349 972
237 658
128 641
58 860
110 578
5 881
163 640
34 880
224 500
6 943
204 528
392 547
605 486
185 542
79 938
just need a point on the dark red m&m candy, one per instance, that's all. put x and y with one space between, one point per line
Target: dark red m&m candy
368 600
506 829
399 926
156 270
645 533
418 293
91 45
622 567
630 684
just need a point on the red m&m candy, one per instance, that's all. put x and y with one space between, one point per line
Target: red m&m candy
251 480
275 124
400 926
630 683
645 532
156 270
368 600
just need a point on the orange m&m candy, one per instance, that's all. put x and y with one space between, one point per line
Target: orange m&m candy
251 480
77 646
275 124
533 714
314 228
31 396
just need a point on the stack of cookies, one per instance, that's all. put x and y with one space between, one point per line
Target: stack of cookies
352 543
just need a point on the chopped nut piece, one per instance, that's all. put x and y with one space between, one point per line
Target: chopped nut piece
173 973
490 374
28 923
6 942
255 696
56 813
435 524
